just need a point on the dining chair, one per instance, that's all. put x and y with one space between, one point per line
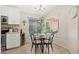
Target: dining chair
49 40
35 42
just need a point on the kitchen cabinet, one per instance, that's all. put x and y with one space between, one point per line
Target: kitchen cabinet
3 10
0 10
13 15
3 42
12 40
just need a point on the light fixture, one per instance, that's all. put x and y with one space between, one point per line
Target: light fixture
76 12
40 8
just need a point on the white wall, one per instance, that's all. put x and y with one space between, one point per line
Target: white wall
68 28
78 28
73 35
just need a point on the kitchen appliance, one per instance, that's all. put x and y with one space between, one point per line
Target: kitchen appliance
4 30
4 20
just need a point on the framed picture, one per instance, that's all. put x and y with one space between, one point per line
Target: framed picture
54 24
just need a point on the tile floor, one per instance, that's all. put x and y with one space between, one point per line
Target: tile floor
26 49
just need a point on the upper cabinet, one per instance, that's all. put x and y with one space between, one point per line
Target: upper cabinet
0 10
3 10
12 13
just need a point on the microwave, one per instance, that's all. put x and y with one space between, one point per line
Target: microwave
4 19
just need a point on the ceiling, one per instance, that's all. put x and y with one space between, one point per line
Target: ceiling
34 9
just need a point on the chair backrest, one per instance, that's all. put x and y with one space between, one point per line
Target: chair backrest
32 37
50 36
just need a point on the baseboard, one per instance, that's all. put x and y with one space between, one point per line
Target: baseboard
63 48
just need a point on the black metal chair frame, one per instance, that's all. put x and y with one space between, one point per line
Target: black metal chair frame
34 43
49 42
42 43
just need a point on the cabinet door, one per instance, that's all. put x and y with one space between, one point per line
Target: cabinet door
4 10
17 16
13 40
0 9
13 16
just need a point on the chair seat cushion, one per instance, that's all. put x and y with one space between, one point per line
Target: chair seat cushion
37 41
47 41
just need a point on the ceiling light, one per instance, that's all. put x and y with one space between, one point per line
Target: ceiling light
39 8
